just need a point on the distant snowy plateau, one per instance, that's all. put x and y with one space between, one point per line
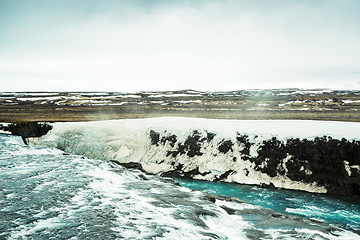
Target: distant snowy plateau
334 105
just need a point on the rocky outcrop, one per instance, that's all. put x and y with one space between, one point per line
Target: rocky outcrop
329 163
29 129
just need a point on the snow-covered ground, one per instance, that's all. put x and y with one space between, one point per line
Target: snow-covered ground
281 97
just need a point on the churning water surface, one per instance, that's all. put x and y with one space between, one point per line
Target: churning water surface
340 212
48 194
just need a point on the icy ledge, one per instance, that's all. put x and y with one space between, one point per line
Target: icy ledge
313 156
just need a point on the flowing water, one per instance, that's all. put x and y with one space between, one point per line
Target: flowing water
48 194
341 212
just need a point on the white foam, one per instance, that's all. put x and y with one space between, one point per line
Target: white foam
226 229
23 232
114 192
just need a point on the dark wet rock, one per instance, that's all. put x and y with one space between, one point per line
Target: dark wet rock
130 165
29 129
225 146
314 220
160 161
192 144
244 140
212 198
192 173
209 235
191 147
224 175
268 186
209 197
142 176
155 137
255 234
210 136
272 152
229 199
204 212
178 172
171 139
229 211
173 154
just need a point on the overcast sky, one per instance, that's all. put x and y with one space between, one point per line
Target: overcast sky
114 45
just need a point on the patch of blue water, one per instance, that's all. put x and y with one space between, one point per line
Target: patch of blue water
339 212
47 194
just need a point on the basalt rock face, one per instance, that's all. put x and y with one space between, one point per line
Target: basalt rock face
330 164
25 130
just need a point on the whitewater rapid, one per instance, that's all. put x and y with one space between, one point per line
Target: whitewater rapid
46 193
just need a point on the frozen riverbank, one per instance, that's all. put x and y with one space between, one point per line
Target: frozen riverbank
313 156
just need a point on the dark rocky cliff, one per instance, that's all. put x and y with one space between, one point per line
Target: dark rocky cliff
29 129
330 163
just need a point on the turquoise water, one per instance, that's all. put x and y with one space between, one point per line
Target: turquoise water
344 213
48 194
